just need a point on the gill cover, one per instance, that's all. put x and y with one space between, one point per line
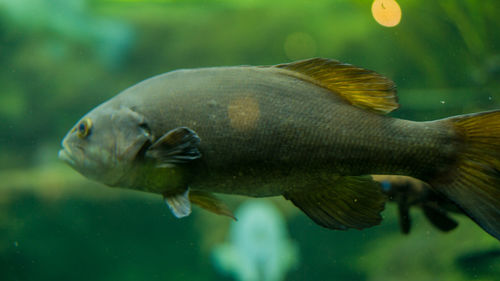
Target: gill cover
130 132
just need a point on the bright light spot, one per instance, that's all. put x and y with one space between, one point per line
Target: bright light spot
443 102
386 12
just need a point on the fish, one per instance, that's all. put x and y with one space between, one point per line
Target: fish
408 192
312 131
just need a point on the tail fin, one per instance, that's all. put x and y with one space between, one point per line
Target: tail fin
474 184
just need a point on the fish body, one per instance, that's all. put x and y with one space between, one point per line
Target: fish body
284 127
310 131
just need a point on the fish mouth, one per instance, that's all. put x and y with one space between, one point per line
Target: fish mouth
65 155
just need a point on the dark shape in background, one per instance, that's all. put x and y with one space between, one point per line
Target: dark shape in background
480 264
410 193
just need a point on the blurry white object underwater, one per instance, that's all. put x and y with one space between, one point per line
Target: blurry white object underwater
259 248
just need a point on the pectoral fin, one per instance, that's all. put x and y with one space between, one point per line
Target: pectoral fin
179 204
177 146
210 203
347 202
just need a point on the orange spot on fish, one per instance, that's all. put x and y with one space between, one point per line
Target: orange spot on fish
243 113
386 12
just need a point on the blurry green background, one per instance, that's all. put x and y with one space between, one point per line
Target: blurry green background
60 58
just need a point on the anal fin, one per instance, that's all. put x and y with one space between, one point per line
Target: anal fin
342 203
210 203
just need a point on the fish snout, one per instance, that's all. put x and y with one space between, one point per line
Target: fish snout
65 153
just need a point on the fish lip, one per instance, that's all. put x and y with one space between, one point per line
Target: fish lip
65 155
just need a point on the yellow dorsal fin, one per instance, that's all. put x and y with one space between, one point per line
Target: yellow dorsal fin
362 88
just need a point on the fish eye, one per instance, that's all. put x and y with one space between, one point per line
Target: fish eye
83 129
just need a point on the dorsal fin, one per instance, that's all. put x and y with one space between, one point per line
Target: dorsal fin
360 87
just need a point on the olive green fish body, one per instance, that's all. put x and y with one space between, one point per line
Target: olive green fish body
312 131
264 132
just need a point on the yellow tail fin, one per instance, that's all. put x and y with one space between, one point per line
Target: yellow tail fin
474 184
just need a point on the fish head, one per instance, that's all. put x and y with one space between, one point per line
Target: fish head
104 144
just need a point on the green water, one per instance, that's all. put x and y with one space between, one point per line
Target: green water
60 58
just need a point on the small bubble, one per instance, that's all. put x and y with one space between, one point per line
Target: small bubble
16 244
490 98
443 102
